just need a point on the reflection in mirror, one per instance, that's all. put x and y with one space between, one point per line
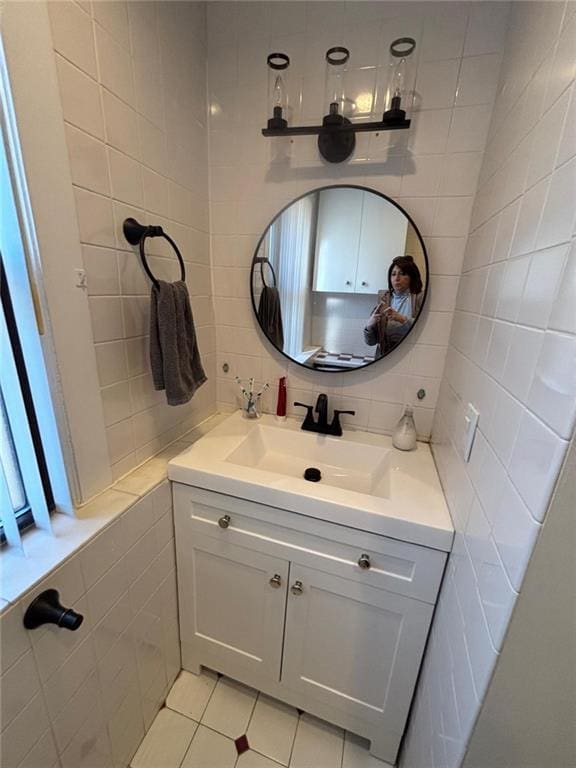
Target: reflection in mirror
339 278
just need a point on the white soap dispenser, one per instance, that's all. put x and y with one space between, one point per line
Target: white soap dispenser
404 437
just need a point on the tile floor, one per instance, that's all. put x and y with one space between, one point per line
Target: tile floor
206 716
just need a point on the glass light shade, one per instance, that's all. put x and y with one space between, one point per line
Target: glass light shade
398 98
335 82
278 64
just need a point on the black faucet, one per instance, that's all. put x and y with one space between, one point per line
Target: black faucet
322 410
321 426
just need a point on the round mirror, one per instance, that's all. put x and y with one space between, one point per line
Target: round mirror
339 278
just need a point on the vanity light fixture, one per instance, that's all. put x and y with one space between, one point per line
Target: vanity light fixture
336 135
278 64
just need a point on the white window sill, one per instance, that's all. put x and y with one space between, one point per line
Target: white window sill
45 551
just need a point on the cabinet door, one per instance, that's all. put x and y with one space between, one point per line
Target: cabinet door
237 600
355 648
337 238
382 238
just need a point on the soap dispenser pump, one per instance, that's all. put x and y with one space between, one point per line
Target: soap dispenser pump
404 437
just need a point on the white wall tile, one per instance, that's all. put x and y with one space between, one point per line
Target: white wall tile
546 140
436 84
101 269
521 228
64 683
135 310
126 177
429 131
552 395
486 28
115 66
43 753
121 123
152 146
567 148
460 173
469 128
94 708
531 209
452 216
116 402
540 296
503 427
563 64
477 80
506 229
496 593
512 288
557 222
72 35
24 731
80 98
120 439
563 316
94 218
521 363
444 34
515 532
116 85
106 312
111 362
113 16
19 685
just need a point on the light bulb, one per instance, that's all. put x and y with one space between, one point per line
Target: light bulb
399 78
278 95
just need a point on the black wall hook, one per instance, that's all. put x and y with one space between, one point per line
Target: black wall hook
136 234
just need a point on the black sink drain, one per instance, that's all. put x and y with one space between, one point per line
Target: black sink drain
312 474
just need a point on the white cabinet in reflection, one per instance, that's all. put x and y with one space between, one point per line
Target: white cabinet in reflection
356 239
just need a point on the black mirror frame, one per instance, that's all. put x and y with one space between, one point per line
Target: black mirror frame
277 216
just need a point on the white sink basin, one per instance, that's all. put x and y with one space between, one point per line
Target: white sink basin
344 464
366 483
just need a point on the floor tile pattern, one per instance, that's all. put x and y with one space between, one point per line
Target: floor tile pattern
210 721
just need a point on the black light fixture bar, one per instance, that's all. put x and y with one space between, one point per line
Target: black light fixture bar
317 130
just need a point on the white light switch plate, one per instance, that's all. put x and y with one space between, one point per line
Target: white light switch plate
81 278
470 424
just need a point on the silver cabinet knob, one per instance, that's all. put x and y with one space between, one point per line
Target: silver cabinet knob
297 588
364 561
224 522
276 581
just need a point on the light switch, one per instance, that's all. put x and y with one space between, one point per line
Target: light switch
470 424
81 278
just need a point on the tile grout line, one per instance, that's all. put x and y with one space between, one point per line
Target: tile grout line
294 739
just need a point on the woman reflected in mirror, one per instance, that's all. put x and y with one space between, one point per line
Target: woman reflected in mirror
398 306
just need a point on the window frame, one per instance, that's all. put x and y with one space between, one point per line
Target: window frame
24 519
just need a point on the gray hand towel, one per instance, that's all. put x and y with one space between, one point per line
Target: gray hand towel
174 356
270 315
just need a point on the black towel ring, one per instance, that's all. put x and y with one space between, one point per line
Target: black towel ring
136 234
262 261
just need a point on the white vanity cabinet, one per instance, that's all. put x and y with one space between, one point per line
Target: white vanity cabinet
330 619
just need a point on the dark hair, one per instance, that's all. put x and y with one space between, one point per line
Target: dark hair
407 266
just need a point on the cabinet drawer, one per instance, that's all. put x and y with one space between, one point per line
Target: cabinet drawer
396 566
